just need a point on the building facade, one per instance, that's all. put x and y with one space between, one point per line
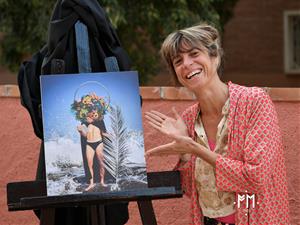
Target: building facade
262 43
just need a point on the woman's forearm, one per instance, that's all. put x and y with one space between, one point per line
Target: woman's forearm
205 154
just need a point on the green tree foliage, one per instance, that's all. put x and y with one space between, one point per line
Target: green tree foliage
24 25
141 26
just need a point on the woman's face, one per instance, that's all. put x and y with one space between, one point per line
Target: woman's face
195 68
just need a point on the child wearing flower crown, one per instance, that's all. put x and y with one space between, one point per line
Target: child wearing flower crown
90 111
94 132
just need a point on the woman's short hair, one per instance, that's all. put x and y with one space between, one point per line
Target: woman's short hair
202 36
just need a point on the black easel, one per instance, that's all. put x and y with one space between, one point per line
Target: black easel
31 195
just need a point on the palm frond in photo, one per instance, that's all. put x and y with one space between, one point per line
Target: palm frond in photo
116 148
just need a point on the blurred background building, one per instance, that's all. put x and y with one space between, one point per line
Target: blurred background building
261 41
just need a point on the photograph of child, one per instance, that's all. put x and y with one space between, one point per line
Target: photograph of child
93 129
93 133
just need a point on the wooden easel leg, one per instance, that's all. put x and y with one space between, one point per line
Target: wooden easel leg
94 215
147 212
97 215
47 216
101 212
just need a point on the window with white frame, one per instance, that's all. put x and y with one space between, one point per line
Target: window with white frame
292 42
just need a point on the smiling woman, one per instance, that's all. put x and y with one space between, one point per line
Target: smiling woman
193 41
229 143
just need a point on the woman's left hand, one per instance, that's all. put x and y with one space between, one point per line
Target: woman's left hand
184 146
181 145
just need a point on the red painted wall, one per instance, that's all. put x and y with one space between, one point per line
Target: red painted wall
19 150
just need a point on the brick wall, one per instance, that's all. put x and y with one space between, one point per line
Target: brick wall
253 43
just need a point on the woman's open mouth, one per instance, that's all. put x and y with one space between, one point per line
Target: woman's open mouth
194 73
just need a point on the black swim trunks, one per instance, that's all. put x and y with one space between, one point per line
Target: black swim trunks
94 145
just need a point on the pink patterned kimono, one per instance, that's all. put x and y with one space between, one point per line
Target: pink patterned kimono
254 163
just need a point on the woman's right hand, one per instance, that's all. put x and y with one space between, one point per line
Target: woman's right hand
167 125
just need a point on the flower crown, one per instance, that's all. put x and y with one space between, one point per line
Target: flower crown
90 105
